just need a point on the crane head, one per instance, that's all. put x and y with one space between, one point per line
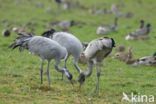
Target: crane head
68 75
81 78
113 42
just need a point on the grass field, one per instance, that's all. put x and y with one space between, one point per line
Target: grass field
19 72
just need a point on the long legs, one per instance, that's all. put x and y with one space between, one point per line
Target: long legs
98 73
76 65
41 72
75 62
48 74
57 62
62 70
65 64
88 72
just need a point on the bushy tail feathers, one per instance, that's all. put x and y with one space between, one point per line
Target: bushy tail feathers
21 41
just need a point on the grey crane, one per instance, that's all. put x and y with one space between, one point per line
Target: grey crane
46 49
94 54
70 42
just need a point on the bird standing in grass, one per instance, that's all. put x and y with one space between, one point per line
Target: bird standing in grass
70 42
46 49
96 51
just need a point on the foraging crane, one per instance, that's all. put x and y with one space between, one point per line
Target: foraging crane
46 49
70 42
96 51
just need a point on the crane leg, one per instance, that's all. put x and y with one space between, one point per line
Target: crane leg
76 65
63 70
98 73
48 74
57 62
65 64
41 72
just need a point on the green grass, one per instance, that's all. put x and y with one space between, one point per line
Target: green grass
19 72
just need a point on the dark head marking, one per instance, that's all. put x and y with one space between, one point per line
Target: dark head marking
154 54
70 76
113 42
148 25
141 21
6 33
105 37
144 59
81 78
48 33
58 1
72 23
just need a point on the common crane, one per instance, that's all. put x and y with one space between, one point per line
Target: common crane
94 54
70 42
46 49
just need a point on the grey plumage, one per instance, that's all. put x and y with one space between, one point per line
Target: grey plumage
146 60
46 49
141 33
70 42
103 30
94 54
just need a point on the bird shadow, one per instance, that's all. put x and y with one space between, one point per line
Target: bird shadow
43 88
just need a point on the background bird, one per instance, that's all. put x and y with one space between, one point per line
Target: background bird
6 33
125 56
46 49
103 30
146 60
96 51
141 33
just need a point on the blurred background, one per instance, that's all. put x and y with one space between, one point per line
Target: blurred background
19 75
